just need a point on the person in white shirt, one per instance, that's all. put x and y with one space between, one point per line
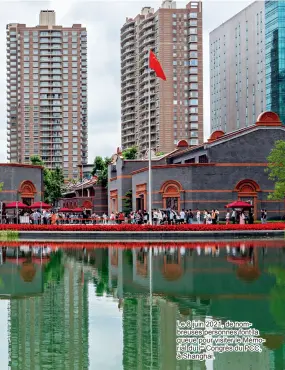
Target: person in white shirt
160 217
182 216
234 216
155 217
228 217
198 216
104 218
209 218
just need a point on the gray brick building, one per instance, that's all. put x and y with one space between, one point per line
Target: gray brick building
21 183
226 168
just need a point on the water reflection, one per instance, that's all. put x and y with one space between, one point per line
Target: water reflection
49 289
49 330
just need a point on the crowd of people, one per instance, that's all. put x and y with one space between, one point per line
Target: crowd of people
49 217
159 217
170 217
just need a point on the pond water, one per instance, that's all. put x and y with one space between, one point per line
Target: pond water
116 308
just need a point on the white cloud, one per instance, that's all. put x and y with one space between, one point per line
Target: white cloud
103 21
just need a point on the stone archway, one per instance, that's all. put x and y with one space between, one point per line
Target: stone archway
27 191
171 194
248 191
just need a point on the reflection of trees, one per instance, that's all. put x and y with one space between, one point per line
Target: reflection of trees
54 269
277 296
101 282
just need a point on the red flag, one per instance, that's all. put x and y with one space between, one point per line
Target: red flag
155 65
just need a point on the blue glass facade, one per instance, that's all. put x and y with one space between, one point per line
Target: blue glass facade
275 57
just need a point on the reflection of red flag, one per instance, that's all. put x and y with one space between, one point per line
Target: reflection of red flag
155 65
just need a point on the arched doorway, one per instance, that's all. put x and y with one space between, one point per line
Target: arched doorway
142 263
141 192
171 194
114 201
27 191
247 191
172 266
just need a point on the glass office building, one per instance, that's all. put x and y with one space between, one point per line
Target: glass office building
275 57
237 70
247 66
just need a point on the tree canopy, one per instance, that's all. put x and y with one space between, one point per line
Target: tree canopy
127 202
53 181
130 153
158 154
276 170
100 169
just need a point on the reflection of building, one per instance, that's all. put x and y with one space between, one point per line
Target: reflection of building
188 284
15 282
192 178
51 331
150 325
47 93
175 35
153 341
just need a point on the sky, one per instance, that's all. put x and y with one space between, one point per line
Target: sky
103 20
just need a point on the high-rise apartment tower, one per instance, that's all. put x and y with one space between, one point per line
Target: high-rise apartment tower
47 93
175 36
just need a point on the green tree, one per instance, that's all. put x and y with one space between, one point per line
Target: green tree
158 154
276 170
102 282
99 164
128 202
130 153
53 181
54 270
36 160
54 185
100 169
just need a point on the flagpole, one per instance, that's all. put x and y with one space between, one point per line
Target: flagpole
149 154
150 306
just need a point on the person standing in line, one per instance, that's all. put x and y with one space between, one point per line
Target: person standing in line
213 217
205 216
104 218
182 216
209 218
191 216
198 217
242 218
228 217
112 218
262 216
155 217
265 216
233 216
217 216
